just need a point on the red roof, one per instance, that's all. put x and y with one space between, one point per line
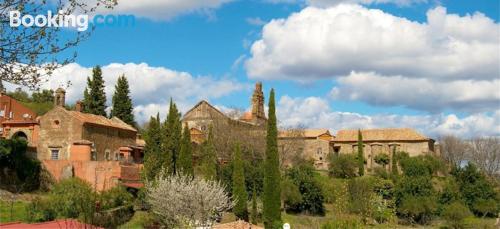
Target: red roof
56 224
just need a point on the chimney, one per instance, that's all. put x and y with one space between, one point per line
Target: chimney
59 98
258 102
79 106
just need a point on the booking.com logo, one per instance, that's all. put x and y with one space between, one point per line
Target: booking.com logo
80 22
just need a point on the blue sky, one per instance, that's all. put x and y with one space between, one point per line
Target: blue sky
213 41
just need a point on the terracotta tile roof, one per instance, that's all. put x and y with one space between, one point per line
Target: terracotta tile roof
246 116
308 133
390 134
59 224
100 120
240 224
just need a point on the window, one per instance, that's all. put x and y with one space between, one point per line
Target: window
54 154
2 113
319 151
93 155
107 155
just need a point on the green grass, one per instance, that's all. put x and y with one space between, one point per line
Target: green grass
19 212
138 221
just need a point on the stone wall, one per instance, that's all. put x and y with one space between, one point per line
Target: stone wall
108 139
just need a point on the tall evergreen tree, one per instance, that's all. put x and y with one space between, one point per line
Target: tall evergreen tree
153 159
361 157
86 97
394 162
239 189
254 213
272 190
122 103
95 100
172 129
209 157
186 155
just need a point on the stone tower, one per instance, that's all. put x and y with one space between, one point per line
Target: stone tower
258 102
59 98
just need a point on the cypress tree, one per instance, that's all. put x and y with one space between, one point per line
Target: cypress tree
95 101
172 129
209 157
239 189
122 103
186 154
86 97
153 159
361 158
272 189
254 215
394 162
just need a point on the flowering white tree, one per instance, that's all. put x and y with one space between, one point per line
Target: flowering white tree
181 201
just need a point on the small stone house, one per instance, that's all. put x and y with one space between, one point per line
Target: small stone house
310 144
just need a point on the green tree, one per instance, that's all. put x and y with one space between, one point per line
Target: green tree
186 153
394 162
95 101
239 191
361 157
122 103
455 213
272 190
209 157
153 155
172 128
309 189
254 216
44 96
343 166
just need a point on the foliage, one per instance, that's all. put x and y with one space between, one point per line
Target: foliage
73 198
360 195
455 214
485 207
141 219
310 190
40 210
240 195
26 170
420 165
153 157
449 193
172 129
361 157
180 200
417 209
394 163
381 173
185 163
290 193
272 190
122 103
254 214
115 197
476 189
94 101
39 101
343 166
31 54
382 159
209 158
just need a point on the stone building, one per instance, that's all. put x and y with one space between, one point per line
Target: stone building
17 120
310 144
247 129
378 141
103 151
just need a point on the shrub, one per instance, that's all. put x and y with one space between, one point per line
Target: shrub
343 166
382 159
310 190
40 210
485 207
115 197
73 198
381 172
455 214
418 209
360 194
290 194
183 201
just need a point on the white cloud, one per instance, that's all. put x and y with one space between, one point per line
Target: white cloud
327 3
314 112
164 9
327 42
421 94
151 87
